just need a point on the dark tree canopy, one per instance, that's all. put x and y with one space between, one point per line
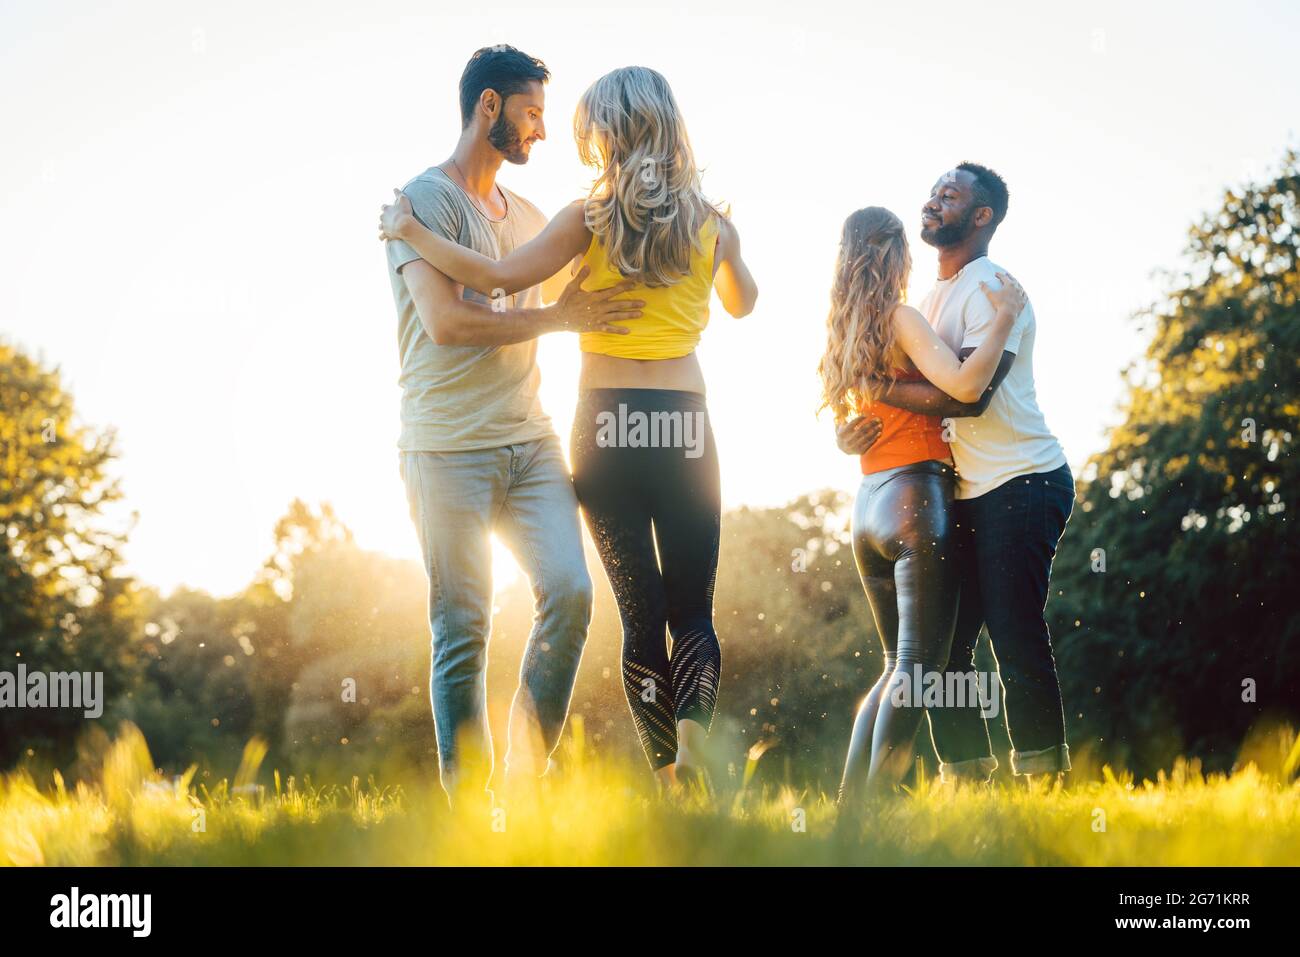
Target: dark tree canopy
1192 507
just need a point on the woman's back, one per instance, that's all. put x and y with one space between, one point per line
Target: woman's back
905 437
673 317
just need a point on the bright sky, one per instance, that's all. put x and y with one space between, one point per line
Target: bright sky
189 191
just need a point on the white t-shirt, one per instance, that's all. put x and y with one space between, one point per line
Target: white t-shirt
1011 438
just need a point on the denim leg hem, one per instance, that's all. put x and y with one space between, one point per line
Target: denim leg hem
1047 761
978 770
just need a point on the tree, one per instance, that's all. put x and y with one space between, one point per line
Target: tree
63 605
1174 605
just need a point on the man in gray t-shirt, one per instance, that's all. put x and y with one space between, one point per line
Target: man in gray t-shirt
459 398
478 453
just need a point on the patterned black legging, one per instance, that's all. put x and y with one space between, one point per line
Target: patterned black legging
645 470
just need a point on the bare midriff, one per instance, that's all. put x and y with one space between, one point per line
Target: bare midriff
600 371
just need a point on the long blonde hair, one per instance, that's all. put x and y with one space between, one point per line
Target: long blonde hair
646 206
870 280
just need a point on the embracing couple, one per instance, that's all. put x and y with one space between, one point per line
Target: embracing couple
630 268
470 263
965 491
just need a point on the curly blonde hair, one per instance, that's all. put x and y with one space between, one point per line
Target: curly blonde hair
646 206
870 282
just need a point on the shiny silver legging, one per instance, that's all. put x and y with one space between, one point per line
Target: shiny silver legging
903 545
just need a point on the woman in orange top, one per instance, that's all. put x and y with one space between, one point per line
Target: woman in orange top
902 515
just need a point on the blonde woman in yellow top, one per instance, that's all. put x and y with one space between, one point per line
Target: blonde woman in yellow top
645 467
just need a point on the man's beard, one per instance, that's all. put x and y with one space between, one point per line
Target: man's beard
504 136
950 234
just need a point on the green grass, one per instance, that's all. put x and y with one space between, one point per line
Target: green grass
597 812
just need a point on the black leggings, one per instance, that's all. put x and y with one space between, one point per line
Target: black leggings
903 542
645 470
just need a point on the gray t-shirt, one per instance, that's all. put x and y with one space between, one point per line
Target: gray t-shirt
459 398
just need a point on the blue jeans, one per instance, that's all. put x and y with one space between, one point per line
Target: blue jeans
524 493
1006 542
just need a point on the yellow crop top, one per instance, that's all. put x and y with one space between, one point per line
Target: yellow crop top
673 317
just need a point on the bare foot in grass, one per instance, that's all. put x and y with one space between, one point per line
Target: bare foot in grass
692 757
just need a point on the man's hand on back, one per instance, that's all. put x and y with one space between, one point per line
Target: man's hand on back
857 435
578 310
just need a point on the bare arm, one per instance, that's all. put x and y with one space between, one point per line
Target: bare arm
963 380
534 262
451 321
553 288
732 279
929 399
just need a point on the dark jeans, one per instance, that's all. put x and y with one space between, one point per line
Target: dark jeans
1006 542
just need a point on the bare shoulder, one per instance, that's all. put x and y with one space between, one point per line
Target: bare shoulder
573 214
726 236
907 315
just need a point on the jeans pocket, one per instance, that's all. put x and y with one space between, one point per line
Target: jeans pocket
1061 485
1058 505
1061 479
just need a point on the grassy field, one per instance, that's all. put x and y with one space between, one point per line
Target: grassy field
598 813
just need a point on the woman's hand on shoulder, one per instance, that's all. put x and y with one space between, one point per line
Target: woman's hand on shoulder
397 219
1009 299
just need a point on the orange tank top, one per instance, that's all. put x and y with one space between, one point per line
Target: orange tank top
905 437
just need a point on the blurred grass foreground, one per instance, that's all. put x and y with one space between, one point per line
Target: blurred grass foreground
597 812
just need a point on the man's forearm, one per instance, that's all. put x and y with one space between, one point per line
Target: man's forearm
473 324
927 399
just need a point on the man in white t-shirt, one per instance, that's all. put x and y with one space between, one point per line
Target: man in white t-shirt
1015 491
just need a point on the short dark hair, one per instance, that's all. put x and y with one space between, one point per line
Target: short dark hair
990 190
501 68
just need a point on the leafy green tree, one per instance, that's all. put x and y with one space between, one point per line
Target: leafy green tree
63 604
1175 608
197 705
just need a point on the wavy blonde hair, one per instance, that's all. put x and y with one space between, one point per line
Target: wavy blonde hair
870 281
646 206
